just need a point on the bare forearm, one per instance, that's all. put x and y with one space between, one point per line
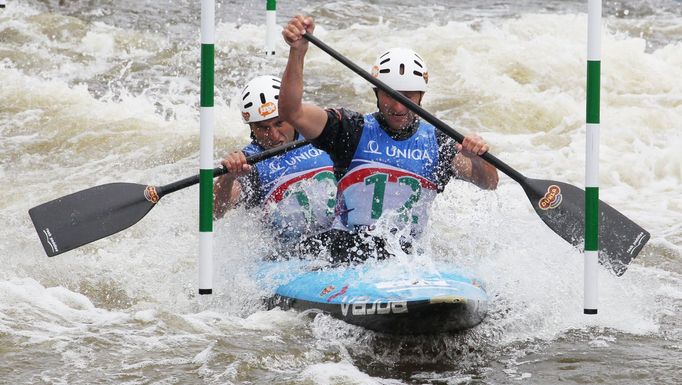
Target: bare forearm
484 175
226 192
308 119
477 171
291 91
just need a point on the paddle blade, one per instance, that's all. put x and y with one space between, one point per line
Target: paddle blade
561 207
86 216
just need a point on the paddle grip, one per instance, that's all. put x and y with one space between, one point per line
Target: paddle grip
449 131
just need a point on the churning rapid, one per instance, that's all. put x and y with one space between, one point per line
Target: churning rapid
108 91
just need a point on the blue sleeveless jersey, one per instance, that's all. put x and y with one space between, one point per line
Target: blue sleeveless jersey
388 180
297 190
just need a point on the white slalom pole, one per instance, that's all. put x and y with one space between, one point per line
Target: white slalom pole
592 155
207 119
270 26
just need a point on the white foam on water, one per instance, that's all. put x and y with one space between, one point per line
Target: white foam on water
56 314
342 373
534 278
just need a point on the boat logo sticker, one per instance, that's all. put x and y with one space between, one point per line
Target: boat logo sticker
327 290
267 109
340 292
246 116
552 198
150 194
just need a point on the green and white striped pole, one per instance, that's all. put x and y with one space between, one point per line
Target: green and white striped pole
270 26
594 8
206 147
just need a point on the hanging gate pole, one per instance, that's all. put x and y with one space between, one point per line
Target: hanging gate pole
270 26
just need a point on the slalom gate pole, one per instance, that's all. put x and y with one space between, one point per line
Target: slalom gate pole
207 119
592 155
270 27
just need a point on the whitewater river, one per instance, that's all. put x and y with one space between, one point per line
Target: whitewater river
93 92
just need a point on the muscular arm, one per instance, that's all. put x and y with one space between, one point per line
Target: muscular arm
466 162
226 191
474 169
308 119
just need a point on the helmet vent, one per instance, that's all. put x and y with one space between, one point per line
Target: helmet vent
402 69
262 98
247 105
246 95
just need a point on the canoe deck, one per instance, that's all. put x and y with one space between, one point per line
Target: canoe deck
380 298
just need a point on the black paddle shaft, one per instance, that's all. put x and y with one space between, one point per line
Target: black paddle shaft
220 170
77 219
559 205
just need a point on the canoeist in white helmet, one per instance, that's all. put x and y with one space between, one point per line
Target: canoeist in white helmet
297 189
389 164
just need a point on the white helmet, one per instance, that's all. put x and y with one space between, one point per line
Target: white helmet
401 69
259 99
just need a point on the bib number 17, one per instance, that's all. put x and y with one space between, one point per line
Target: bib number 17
379 181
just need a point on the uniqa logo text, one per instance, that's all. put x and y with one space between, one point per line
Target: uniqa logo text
396 152
292 160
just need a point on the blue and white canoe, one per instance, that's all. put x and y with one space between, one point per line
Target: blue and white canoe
380 297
